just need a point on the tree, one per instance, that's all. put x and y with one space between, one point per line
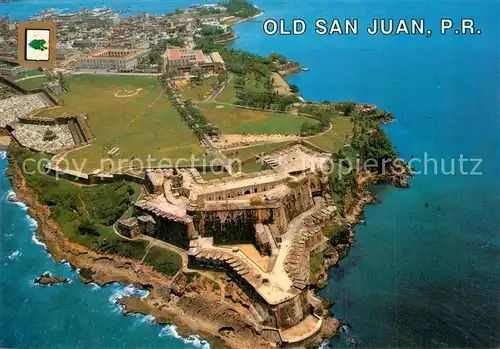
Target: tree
87 227
294 88
346 107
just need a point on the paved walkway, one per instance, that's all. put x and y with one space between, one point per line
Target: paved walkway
166 245
278 276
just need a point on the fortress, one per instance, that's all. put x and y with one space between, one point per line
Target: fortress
259 228
18 114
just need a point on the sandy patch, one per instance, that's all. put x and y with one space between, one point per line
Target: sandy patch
280 85
238 140
181 83
127 93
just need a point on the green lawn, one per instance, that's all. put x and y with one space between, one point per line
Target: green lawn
163 260
198 92
238 120
253 166
28 73
247 152
33 83
334 139
228 94
141 125
254 85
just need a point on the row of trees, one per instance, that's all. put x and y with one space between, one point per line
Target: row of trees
264 100
191 115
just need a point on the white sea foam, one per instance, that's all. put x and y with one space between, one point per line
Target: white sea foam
34 238
324 345
15 255
31 221
10 195
21 205
94 286
171 331
3 154
129 290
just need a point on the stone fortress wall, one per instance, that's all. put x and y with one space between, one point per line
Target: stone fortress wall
18 115
274 210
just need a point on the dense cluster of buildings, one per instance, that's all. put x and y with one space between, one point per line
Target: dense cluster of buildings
89 39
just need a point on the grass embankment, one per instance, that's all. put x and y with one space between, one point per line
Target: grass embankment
316 260
163 261
86 214
245 153
246 121
33 83
145 123
335 139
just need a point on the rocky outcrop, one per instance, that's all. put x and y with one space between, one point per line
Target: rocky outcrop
47 279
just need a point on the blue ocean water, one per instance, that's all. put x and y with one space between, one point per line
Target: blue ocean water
416 276
71 315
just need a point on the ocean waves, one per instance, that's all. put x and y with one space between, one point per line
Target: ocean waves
171 331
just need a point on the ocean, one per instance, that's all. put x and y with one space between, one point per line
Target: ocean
424 270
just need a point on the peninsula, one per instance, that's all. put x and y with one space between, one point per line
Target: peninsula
191 170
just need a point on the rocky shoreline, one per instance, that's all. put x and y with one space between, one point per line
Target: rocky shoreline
193 308
358 199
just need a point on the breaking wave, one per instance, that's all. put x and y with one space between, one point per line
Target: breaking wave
35 240
15 255
171 331
129 290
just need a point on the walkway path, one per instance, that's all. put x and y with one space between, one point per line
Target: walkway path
30 77
217 92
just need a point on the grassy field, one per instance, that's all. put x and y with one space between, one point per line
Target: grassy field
33 83
334 139
199 92
247 152
238 120
250 167
141 125
228 94
163 260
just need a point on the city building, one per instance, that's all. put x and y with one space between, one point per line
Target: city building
179 61
116 59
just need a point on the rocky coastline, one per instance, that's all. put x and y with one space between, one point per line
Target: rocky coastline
358 198
193 308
